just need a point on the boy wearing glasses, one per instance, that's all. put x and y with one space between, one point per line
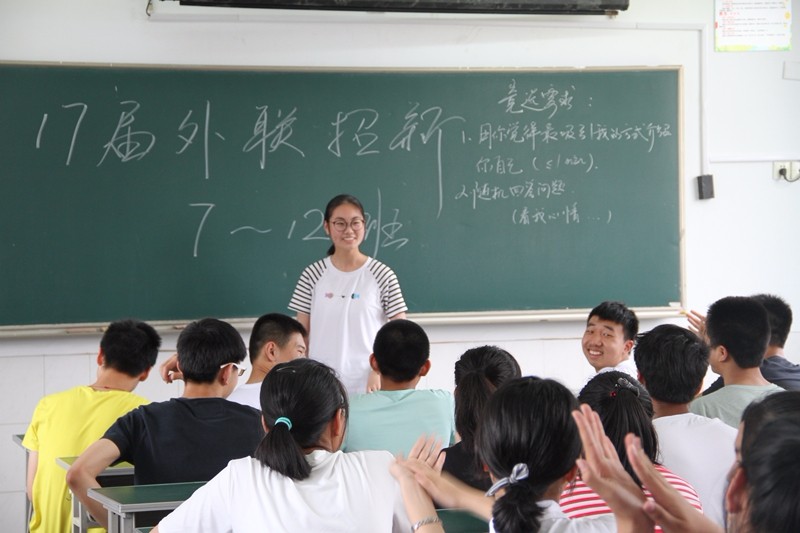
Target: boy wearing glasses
190 438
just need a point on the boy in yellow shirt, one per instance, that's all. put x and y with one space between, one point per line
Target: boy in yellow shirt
65 423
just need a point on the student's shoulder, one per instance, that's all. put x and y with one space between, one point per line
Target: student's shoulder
369 459
241 409
316 269
64 399
379 269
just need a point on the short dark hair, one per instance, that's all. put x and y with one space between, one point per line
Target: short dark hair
130 346
205 345
273 327
478 373
779 315
308 394
740 324
624 407
770 440
618 313
672 362
528 420
401 347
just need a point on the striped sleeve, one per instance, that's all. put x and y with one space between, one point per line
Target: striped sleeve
578 501
391 295
304 290
682 486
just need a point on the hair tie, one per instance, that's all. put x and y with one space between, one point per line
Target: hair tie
518 473
283 420
623 383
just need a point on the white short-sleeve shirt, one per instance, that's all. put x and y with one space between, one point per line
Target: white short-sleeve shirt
346 310
346 492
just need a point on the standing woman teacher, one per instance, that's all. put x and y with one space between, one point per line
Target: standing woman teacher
344 299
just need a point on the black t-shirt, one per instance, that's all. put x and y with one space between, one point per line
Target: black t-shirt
459 463
185 439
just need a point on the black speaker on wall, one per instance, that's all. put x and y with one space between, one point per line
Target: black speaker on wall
705 186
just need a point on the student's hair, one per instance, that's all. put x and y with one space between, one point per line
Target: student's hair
672 362
335 202
528 420
618 313
273 327
779 315
400 348
773 476
770 444
130 346
740 324
624 407
205 345
478 373
308 394
783 404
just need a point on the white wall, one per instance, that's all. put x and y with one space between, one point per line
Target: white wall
741 242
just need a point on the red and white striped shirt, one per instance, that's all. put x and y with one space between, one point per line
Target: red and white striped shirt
579 500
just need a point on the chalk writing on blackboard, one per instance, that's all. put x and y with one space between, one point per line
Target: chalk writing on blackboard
193 128
548 101
357 133
535 133
278 136
384 233
362 136
126 144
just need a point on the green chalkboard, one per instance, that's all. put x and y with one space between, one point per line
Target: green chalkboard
174 193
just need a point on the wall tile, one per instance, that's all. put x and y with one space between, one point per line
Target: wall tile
22 384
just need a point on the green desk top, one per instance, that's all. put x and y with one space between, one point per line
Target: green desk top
461 521
133 499
123 468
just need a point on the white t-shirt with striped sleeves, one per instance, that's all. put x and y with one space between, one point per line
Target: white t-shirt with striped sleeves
347 309
579 500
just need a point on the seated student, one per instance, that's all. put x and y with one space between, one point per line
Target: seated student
624 407
611 330
764 481
190 438
737 331
478 373
298 480
530 444
775 367
66 422
672 363
275 338
392 418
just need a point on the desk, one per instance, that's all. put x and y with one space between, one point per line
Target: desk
123 503
461 521
17 439
114 475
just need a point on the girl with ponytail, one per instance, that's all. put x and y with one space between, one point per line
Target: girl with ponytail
624 407
478 373
298 480
529 441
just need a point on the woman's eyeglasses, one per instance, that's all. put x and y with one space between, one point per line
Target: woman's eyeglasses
341 225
